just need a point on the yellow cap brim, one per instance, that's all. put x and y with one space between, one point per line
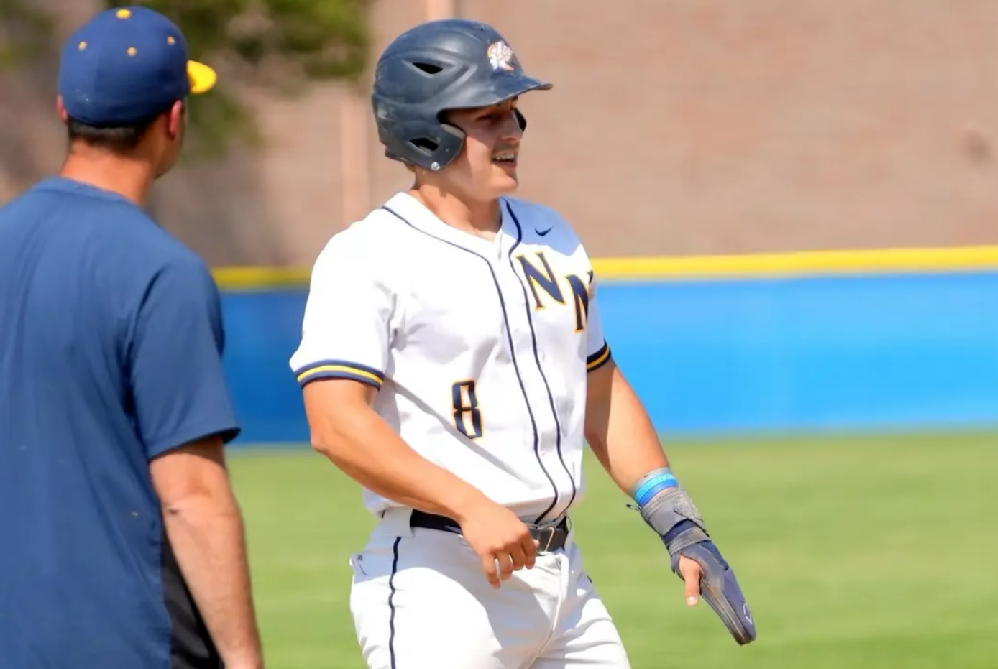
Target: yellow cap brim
202 77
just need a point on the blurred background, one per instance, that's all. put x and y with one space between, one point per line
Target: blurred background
793 207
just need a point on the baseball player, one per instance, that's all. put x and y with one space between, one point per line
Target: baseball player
453 363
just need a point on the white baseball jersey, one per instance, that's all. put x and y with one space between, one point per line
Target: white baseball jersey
480 349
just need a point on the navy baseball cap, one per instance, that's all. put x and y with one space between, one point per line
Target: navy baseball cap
126 65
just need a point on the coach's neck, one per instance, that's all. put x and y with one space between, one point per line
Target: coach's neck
130 176
123 159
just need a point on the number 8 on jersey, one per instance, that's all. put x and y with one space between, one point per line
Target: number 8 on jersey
467 416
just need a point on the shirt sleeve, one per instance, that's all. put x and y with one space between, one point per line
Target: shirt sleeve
348 318
597 349
176 375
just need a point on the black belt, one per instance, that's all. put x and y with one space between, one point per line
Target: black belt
549 538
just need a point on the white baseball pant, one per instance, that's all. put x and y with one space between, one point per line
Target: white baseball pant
419 600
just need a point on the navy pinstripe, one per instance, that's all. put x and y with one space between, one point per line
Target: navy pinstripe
537 359
391 601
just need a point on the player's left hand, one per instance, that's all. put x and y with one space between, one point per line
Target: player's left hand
690 571
705 572
696 560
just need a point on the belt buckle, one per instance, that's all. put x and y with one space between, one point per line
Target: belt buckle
543 547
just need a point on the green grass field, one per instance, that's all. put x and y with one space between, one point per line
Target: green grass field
874 553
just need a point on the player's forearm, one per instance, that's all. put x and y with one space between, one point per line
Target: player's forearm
207 536
619 430
364 447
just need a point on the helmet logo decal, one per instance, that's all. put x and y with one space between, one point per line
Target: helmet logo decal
501 56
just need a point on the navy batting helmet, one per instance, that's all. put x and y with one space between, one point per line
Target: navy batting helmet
438 66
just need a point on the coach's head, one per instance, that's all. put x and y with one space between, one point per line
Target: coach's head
124 79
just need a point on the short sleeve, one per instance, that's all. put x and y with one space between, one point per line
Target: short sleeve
597 349
177 379
348 315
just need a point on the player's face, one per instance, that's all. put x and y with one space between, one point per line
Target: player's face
486 168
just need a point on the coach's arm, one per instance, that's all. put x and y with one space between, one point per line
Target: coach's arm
205 528
184 415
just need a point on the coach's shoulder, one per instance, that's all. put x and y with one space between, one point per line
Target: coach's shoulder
136 229
167 253
144 251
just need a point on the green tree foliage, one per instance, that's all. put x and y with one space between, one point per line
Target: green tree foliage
24 32
279 45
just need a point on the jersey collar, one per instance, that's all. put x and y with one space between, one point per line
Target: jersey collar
413 212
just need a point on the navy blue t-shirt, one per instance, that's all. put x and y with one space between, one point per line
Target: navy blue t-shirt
110 355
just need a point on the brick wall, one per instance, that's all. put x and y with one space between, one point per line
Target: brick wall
674 128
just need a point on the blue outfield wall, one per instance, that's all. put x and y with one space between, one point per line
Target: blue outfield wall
725 357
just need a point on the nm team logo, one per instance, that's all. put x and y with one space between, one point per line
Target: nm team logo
501 56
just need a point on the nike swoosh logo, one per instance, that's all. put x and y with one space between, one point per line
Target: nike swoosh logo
542 232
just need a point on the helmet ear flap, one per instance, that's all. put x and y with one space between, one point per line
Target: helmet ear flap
521 120
428 144
452 141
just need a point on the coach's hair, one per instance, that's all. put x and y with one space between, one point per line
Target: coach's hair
118 139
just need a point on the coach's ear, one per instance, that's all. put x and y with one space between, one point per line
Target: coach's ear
176 118
60 109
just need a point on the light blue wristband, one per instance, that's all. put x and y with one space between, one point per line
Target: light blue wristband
653 483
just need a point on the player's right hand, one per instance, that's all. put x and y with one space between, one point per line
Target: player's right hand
499 538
